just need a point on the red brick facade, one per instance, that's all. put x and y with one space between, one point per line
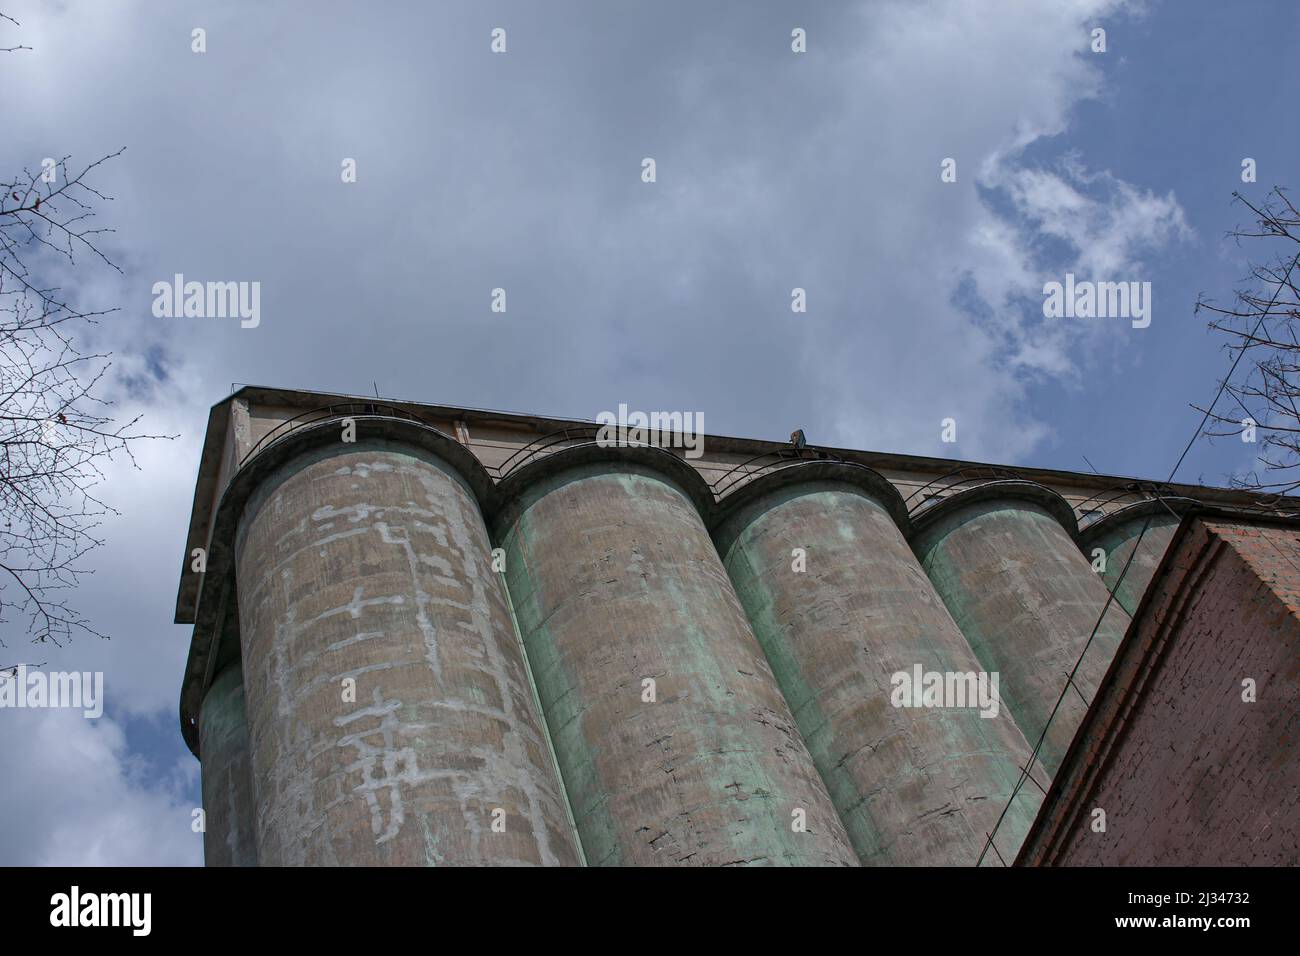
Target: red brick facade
1186 770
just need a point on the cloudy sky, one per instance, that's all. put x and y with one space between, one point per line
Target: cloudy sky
522 170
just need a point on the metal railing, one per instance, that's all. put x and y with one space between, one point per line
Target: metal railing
545 445
574 435
966 475
1107 496
773 461
324 413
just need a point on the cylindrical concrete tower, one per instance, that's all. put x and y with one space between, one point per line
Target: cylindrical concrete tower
675 743
1117 534
840 605
1003 557
229 806
391 720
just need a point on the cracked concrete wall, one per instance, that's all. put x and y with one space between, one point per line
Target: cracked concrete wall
227 782
913 786
1027 600
1118 543
371 561
615 580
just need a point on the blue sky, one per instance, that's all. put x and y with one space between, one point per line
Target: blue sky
1194 88
522 171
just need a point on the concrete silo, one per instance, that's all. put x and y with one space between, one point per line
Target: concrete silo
1155 521
674 741
229 803
414 649
390 716
840 605
1004 559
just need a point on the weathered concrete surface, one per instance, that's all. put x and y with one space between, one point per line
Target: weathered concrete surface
615 581
371 561
912 785
1117 540
229 805
1027 600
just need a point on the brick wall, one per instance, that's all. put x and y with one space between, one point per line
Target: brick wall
1186 771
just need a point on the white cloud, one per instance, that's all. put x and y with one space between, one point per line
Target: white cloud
950 309
1104 229
74 795
131 594
1108 230
775 170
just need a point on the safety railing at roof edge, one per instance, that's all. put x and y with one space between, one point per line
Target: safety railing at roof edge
326 413
756 465
773 461
545 444
782 457
1098 504
542 445
965 475
582 434
1094 509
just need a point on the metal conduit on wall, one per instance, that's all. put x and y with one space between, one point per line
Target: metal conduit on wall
1004 559
840 604
675 743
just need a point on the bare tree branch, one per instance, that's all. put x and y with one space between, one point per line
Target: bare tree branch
1262 320
11 49
56 432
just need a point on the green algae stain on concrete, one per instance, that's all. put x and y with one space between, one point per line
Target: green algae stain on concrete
561 706
813 726
911 787
229 838
1027 600
1118 542
616 582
